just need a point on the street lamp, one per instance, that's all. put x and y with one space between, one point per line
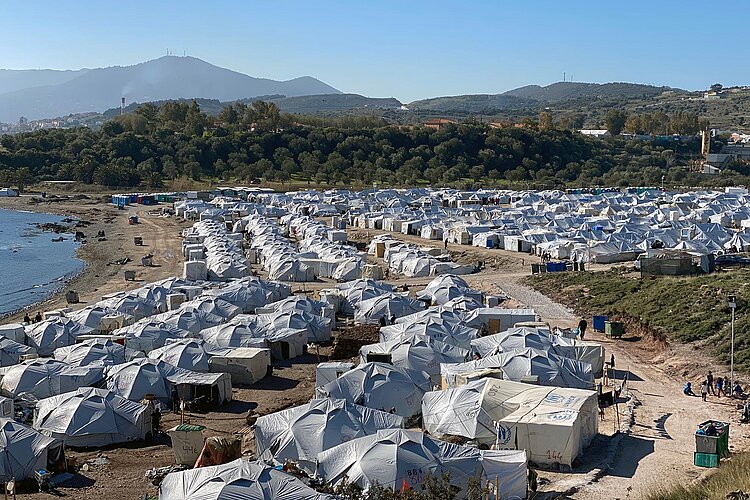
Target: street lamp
732 303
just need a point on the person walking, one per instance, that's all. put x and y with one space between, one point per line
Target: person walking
720 386
704 390
710 382
582 325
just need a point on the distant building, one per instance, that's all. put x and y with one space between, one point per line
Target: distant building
710 169
7 192
713 95
23 121
438 123
595 132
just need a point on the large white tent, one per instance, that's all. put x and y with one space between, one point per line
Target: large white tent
400 459
188 354
92 417
11 351
300 433
371 311
380 386
24 451
417 352
138 378
52 333
528 365
239 479
96 351
44 377
148 334
552 424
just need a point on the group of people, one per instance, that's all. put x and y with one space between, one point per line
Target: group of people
716 387
384 321
37 318
545 257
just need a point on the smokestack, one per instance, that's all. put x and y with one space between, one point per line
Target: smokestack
122 106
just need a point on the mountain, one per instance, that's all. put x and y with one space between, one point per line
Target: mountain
562 91
168 77
18 79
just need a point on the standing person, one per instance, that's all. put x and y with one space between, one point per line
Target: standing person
704 390
720 386
393 319
582 325
38 317
445 243
26 319
710 382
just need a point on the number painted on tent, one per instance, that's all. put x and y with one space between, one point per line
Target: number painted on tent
554 455
414 476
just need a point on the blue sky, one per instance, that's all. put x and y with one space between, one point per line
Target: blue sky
408 49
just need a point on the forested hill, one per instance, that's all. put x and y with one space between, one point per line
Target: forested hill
156 145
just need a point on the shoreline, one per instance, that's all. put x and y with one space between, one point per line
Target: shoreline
101 268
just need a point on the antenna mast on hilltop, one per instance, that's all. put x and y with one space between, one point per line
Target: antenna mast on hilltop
563 76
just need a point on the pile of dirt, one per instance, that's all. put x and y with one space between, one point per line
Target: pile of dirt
350 339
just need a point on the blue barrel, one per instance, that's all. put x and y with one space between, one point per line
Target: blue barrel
599 322
551 267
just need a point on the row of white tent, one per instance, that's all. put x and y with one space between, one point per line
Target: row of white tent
604 227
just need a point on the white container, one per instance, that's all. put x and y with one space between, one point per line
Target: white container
174 300
6 407
246 365
13 331
195 270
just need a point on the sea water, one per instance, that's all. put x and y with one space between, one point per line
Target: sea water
32 266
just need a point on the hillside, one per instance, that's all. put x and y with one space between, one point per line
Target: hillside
486 104
308 104
562 91
168 77
12 79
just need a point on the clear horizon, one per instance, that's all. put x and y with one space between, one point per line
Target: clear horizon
407 51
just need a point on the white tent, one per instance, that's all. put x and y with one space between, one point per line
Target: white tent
12 351
553 425
433 327
528 365
148 334
239 479
136 379
415 353
300 433
92 417
400 459
44 377
188 354
53 333
189 319
370 311
318 328
96 352
515 339
212 305
24 451
380 386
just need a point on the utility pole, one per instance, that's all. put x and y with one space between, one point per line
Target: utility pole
732 302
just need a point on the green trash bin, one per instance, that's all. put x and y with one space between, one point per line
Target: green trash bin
614 329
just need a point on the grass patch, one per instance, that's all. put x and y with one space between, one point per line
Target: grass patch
692 309
731 476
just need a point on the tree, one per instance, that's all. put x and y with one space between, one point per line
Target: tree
716 87
615 120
